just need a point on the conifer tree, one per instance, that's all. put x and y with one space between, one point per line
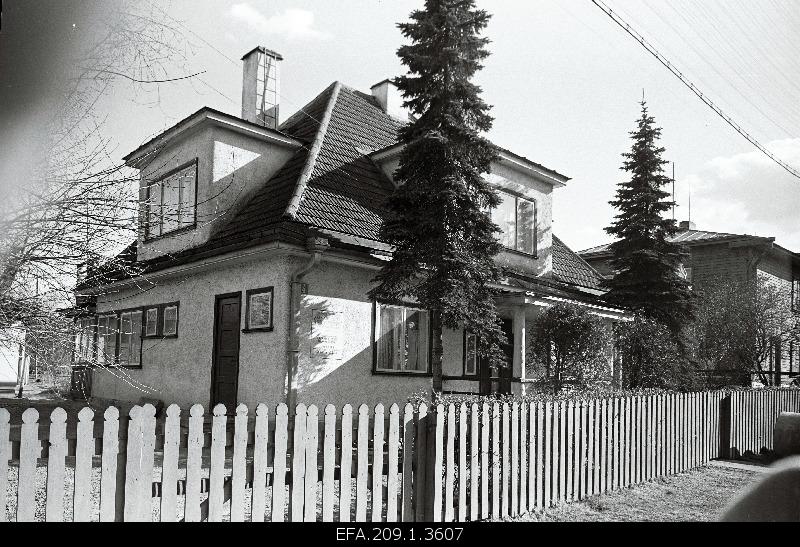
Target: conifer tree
438 222
646 263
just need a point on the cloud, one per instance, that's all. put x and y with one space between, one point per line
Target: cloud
748 193
293 23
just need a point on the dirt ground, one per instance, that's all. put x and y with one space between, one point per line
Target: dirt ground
698 495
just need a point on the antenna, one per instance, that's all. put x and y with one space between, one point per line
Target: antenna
690 201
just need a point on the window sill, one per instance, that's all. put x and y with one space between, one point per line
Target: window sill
402 373
187 228
534 256
264 329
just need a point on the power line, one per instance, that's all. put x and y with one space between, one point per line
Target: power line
693 88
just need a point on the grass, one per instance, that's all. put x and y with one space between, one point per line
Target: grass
698 495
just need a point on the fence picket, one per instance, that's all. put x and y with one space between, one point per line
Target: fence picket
239 464
194 453
393 478
5 455
298 492
362 453
514 459
346 464
495 488
533 469
463 471
435 471
523 458
485 455
133 471
260 463
311 447
505 476
591 431
569 441
216 475
547 453
84 450
421 497
450 464
329 464
474 463
377 464
29 450
169 465
54 508
407 493
279 463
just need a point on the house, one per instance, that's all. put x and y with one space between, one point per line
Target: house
257 246
717 256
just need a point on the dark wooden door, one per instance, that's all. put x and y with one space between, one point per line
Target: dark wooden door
225 364
497 380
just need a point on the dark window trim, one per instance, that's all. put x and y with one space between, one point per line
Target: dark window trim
147 237
143 311
406 373
250 292
517 196
464 374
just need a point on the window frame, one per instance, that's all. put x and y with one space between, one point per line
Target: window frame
147 223
393 372
517 197
252 292
464 372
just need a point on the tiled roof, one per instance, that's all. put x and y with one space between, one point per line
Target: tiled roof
341 191
687 237
570 268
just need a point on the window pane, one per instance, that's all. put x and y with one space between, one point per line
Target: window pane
170 320
260 308
390 330
154 210
526 226
106 339
187 182
170 204
505 216
136 338
151 322
471 354
416 344
124 338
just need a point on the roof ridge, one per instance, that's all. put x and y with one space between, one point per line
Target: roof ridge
313 153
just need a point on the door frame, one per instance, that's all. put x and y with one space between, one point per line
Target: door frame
217 298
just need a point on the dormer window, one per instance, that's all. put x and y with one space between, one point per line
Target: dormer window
171 203
516 218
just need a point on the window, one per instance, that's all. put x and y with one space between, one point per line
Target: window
130 338
402 338
259 310
84 339
171 320
171 201
795 298
106 339
151 322
516 218
470 354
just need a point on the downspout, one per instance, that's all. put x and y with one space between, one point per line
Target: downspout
316 246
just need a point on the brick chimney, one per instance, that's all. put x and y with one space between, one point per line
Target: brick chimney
390 99
261 86
686 225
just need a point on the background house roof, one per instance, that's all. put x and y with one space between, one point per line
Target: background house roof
686 237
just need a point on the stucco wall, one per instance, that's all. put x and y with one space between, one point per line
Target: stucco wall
178 370
230 167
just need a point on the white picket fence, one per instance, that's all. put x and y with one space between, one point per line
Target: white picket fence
445 463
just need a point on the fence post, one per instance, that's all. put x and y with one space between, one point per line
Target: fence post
725 449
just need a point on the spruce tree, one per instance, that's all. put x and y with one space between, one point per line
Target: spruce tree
646 263
438 222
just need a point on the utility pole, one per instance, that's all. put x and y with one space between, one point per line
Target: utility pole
673 190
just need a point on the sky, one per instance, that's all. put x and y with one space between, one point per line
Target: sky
564 80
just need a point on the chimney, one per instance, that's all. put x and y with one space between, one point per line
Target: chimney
261 86
686 225
390 99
